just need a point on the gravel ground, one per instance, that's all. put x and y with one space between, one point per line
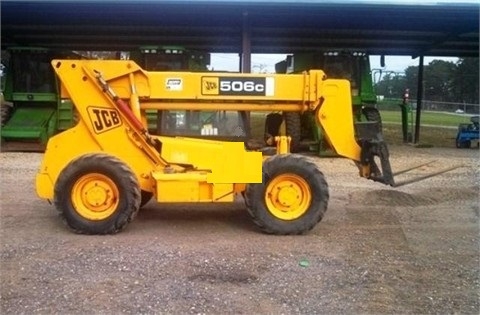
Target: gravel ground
413 249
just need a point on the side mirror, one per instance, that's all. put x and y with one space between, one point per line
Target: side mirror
290 65
382 61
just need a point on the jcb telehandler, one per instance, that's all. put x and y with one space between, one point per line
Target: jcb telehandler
100 172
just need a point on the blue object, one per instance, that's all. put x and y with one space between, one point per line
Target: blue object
467 133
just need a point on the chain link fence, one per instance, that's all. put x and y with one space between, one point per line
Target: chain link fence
448 107
459 108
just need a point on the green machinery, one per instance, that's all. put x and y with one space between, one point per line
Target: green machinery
353 66
170 58
32 111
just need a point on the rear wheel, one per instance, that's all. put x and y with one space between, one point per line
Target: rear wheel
97 194
293 127
273 122
292 198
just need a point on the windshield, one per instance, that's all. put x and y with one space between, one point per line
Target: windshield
343 66
32 72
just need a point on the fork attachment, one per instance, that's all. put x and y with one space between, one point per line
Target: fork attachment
370 149
373 145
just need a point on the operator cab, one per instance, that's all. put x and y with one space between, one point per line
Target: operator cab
217 125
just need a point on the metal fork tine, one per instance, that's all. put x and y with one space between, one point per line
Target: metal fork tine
412 168
413 180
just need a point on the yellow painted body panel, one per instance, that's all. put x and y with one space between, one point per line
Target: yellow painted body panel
183 169
77 141
225 162
339 132
190 187
44 185
157 86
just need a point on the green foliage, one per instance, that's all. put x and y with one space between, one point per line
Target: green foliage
438 81
392 86
465 81
444 81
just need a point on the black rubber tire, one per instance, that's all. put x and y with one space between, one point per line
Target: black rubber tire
146 196
372 114
293 127
458 144
5 113
278 165
115 170
463 144
307 125
272 128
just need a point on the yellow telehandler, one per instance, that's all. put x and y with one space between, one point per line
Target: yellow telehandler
100 172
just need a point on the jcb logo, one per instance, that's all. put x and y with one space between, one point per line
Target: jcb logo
104 119
209 86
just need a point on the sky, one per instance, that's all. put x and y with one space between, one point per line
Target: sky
230 62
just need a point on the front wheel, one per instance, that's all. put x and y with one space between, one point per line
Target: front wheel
292 198
97 194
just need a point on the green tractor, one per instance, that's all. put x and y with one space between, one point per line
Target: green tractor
31 110
302 129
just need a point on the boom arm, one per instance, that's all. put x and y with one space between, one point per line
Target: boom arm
124 81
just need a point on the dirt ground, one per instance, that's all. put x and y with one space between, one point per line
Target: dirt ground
413 249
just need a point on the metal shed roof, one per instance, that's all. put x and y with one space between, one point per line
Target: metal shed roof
377 27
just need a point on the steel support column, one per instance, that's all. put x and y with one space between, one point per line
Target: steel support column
419 99
246 64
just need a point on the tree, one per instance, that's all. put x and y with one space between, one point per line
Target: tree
260 68
392 85
438 84
444 81
437 81
466 81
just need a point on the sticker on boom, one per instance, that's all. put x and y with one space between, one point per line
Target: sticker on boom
103 119
174 84
252 86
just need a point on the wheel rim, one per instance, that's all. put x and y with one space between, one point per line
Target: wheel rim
95 196
288 196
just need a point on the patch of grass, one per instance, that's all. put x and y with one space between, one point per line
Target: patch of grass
430 136
427 118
